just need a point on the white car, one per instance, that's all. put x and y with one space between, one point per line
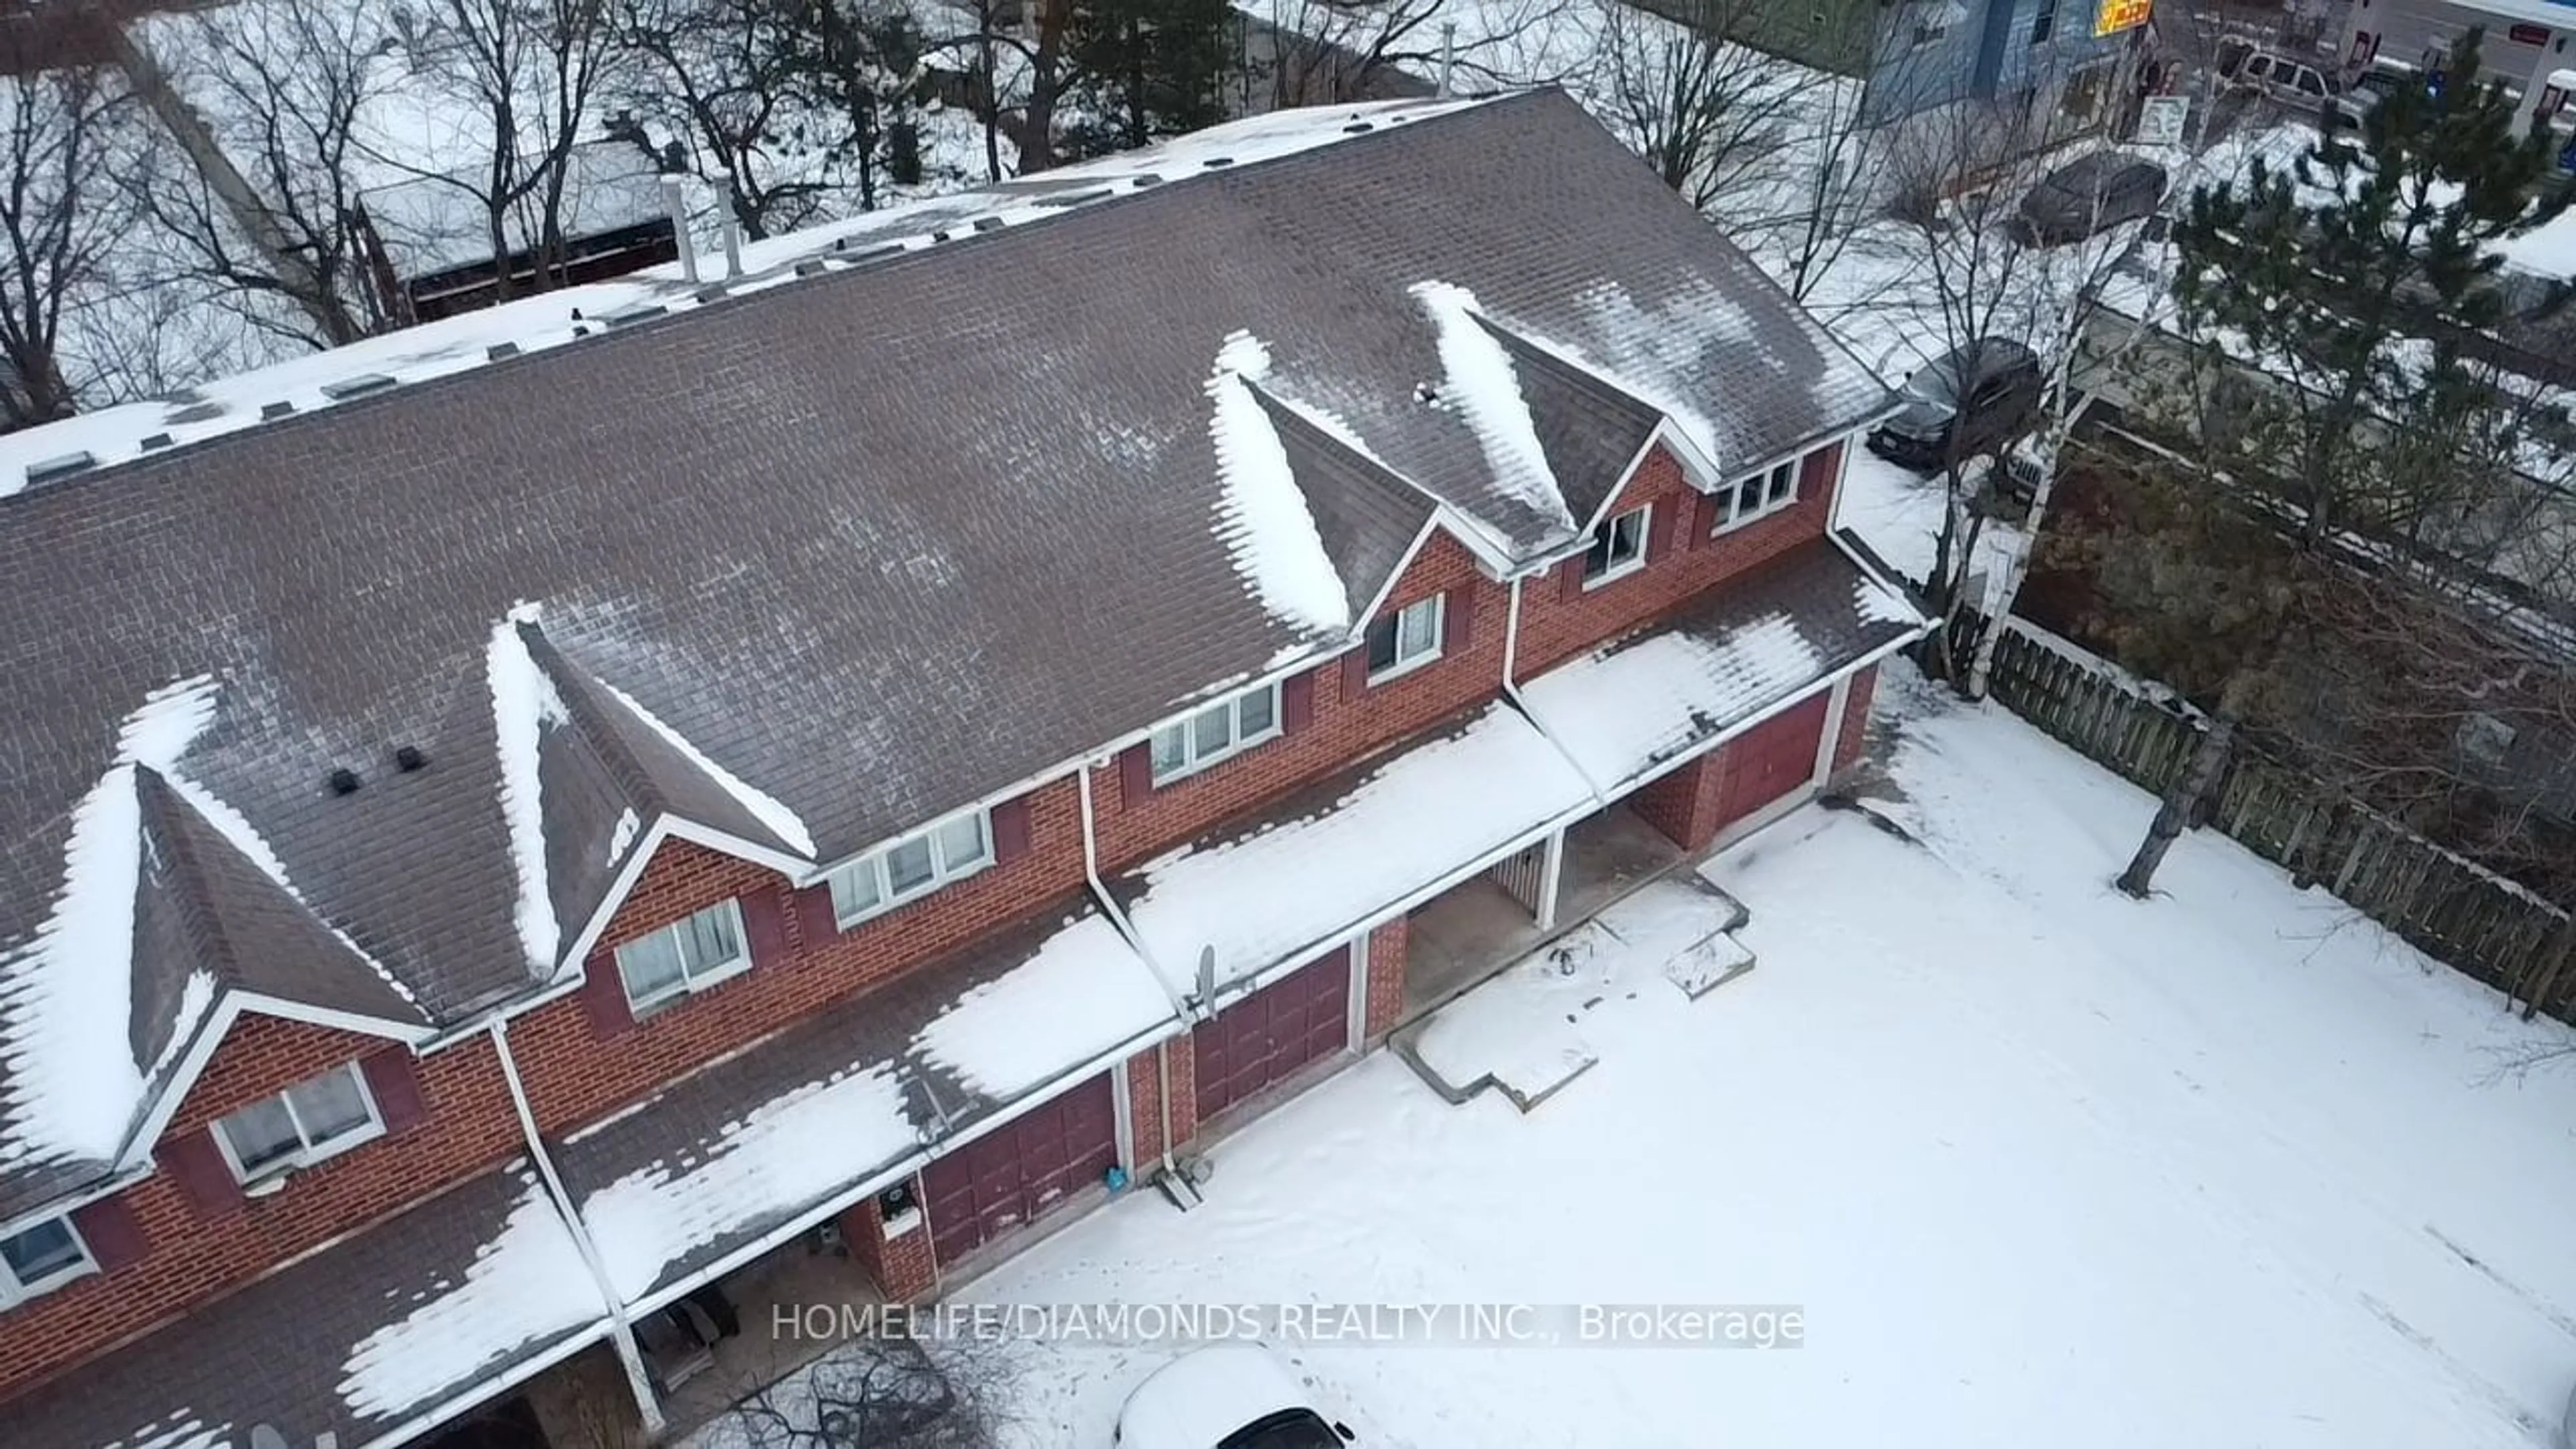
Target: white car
1226 1396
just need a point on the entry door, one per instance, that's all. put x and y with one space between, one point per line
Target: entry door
1300 1018
1013 1174
1772 760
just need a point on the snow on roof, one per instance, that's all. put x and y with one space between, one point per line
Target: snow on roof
1623 711
1482 386
526 1286
551 319
1084 993
524 702
780 821
782 1156
66 996
1401 826
1263 517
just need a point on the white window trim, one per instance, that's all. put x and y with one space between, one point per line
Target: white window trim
308 1155
1439 640
14 1290
690 983
1637 561
941 874
1731 519
1192 761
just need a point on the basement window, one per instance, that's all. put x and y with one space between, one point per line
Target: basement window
913 866
1405 640
39 1258
685 956
1220 731
321 1117
1621 548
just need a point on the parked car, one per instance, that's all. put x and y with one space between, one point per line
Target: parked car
2091 194
2287 79
1961 404
1226 1396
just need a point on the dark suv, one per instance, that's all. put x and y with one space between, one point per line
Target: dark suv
1961 404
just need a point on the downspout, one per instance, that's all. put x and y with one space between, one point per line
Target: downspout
1512 692
621 1330
1100 890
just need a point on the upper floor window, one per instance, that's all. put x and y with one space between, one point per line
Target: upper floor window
915 865
1762 493
39 1258
2044 25
1407 639
1217 732
684 956
314 1119
1621 548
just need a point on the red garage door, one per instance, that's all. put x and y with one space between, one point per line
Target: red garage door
1772 759
1012 1174
1297 1019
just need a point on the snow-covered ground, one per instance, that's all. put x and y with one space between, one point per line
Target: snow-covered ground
2040 1164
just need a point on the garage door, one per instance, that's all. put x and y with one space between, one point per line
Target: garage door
1772 760
1297 1019
1012 1174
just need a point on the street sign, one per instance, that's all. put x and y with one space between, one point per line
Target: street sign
2110 17
2160 121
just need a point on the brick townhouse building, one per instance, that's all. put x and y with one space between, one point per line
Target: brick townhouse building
507 833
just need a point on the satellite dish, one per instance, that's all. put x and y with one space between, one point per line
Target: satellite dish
1207 979
265 1436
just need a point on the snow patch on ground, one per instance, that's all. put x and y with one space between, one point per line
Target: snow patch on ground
524 703
2041 1163
1625 709
1262 518
778 1159
1481 384
67 994
1298 883
777 818
526 1286
1084 993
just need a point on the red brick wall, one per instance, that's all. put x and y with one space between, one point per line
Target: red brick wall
1347 724
190 1257
1385 981
1684 804
1144 1115
1855 732
903 1268
1185 1089
574 1076
1556 626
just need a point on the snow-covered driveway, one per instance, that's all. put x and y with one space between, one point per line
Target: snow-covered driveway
2043 1165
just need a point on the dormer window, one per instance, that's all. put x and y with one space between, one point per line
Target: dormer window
39 1258
321 1117
1405 640
1621 548
685 956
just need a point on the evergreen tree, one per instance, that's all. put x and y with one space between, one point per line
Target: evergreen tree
1147 68
2332 403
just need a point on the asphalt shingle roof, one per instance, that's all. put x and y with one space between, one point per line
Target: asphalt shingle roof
880 543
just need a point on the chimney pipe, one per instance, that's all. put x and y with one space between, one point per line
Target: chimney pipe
679 209
1448 55
732 241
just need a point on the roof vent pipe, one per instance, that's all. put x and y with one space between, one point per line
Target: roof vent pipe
1448 55
732 243
679 208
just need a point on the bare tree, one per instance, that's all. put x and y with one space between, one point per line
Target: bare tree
515 84
1712 117
886 1392
1323 51
58 210
255 188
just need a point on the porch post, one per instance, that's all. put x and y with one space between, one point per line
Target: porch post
1551 874
1835 705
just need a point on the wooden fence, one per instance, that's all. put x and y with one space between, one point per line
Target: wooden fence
2452 908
